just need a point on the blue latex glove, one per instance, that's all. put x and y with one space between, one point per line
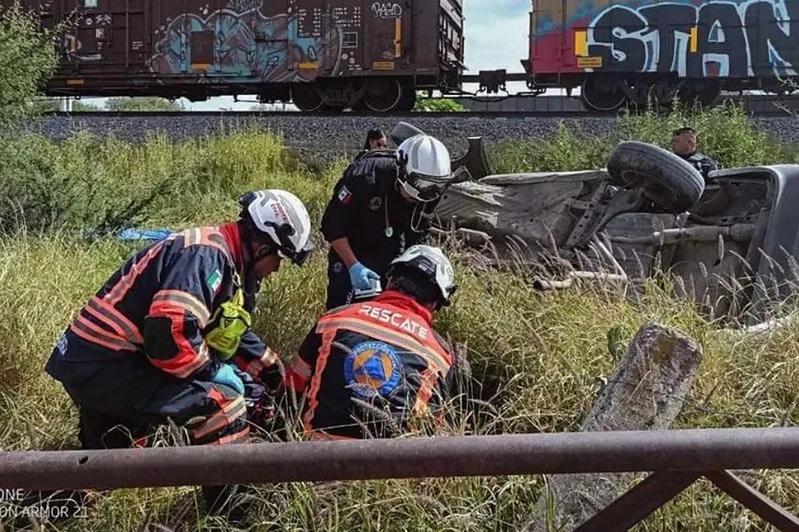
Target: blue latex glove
362 278
226 375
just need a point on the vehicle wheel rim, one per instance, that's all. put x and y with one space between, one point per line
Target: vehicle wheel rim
383 96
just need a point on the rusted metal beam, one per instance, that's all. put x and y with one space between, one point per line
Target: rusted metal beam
767 509
634 506
520 454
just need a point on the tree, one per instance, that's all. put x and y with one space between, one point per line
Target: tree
437 105
27 59
142 104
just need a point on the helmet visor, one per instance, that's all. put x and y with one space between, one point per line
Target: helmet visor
425 188
296 257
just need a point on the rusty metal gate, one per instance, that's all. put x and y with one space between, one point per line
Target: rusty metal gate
676 459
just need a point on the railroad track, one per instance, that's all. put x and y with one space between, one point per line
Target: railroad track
545 107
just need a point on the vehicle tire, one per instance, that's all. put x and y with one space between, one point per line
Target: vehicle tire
666 179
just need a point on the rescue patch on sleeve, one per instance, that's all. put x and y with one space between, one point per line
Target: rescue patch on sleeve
371 369
344 195
214 280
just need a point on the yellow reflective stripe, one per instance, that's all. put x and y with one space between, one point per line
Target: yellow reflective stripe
186 301
390 336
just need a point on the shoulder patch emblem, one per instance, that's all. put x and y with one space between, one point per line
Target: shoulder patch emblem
372 369
214 280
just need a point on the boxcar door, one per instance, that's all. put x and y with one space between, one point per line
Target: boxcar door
98 42
383 28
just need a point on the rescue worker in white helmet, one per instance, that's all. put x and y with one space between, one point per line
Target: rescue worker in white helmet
378 367
168 338
381 206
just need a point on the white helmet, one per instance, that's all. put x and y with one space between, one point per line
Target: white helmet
425 168
282 217
433 271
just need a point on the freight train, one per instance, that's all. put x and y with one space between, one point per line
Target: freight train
376 55
321 54
626 52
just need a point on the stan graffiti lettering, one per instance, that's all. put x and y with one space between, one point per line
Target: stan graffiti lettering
759 38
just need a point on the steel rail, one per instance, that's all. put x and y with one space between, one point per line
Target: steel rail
464 115
697 450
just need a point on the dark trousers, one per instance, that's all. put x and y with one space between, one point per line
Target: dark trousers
209 413
339 288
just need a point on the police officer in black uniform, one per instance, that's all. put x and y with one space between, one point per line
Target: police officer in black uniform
381 206
684 143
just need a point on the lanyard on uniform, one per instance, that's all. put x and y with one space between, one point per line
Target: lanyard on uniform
389 231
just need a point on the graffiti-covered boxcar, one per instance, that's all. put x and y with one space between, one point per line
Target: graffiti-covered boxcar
623 51
319 53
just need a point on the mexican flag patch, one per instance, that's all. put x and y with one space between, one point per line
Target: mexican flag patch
214 280
344 195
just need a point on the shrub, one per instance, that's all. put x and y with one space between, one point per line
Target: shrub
27 58
726 133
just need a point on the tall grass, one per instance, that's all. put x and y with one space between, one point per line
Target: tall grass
86 181
540 357
725 133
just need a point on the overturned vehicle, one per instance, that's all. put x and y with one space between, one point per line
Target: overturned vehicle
730 244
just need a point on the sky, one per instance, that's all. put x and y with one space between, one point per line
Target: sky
496 37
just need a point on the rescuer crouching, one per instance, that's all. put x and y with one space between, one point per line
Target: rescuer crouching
167 339
378 369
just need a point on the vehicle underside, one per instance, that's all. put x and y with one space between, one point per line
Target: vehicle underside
728 245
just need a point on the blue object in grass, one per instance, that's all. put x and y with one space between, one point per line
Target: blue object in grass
143 234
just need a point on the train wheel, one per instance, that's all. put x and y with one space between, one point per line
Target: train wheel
603 94
307 98
701 93
408 100
383 95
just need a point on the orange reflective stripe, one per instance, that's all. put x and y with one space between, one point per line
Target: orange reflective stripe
324 436
179 367
429 378
267 360
316 380
433 358
96 334
114 319
300 367
184 300
229 413
233 438
211 236
125 282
